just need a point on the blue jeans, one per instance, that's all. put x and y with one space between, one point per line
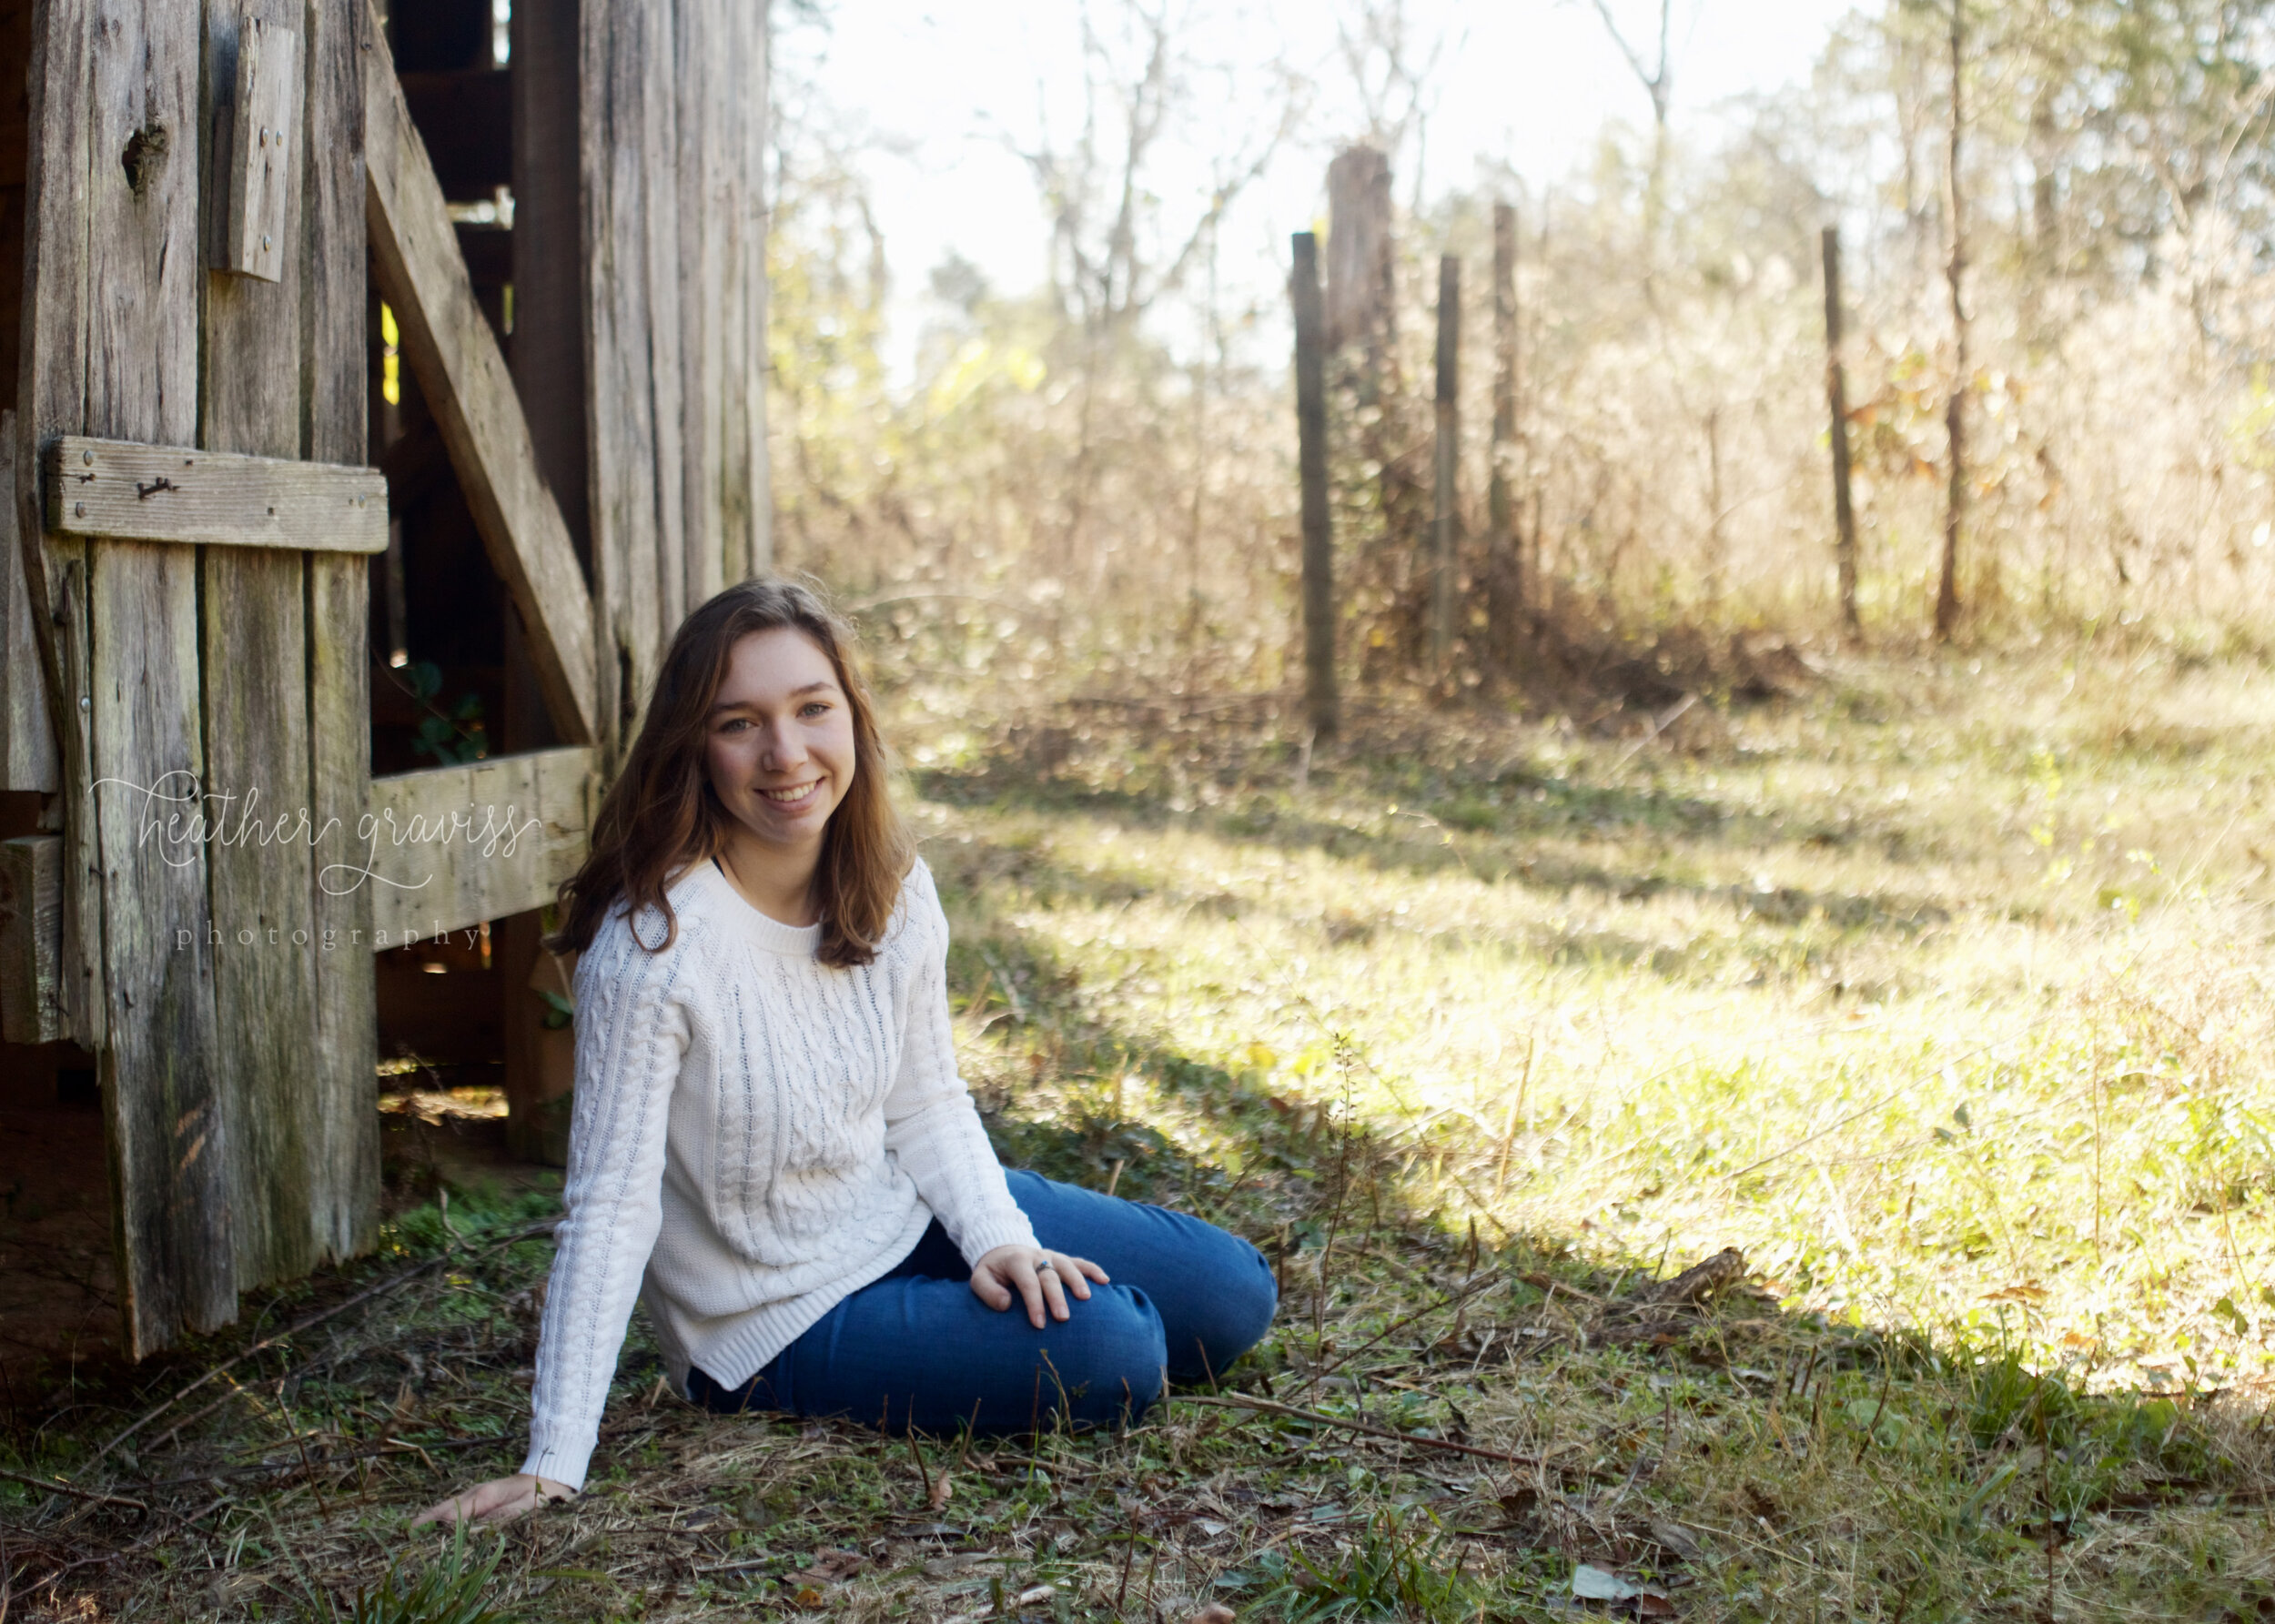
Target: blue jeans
917 1348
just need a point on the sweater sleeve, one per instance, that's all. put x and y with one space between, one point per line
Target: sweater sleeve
632 1027
931 1125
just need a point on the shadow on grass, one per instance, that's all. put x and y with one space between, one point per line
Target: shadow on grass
1503 838
1532 1407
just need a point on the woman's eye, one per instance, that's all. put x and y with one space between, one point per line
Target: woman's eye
814 708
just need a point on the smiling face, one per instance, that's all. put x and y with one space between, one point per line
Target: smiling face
779 741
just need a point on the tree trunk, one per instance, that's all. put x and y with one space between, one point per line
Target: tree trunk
1445 534
1837 402
1318 589
1504 581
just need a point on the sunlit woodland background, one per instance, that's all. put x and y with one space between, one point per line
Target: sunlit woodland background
1109 456
1921 961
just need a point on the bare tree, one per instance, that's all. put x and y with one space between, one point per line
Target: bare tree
1658 81
1117 251
1392 71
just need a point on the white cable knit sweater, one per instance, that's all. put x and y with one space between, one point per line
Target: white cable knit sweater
756 1133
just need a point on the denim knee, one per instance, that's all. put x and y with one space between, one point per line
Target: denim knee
1227 1312
1114 1371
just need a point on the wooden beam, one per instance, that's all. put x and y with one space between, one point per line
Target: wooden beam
448 847
126 491
31 939
463 376
111 330
672 118
27 738
334 293
245 484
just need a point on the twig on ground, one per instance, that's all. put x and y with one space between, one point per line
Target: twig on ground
71 1491
1448 1301
1321 1418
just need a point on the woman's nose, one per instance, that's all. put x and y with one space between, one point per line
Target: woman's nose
782 749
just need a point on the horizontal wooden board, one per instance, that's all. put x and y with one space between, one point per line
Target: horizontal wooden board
448 847
128 492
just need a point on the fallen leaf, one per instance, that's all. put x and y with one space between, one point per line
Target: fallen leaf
807 1595
1597 1584
828 1567
1037 1596
1676 1538
1215 1612
1650 1604
941 1489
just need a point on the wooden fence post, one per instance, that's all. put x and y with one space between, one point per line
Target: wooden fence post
1445 532
1504 600
1318 557
1955 410
1836 400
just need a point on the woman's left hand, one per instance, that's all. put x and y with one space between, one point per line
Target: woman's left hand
1038 1274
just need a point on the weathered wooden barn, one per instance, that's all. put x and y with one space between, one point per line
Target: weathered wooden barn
383 385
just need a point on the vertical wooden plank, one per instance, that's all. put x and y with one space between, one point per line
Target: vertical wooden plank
720 99
31 938
1319 548
549 315
257 146
749 511
627 145
28 737
673 110
255 711
345 1204
548 358
111 322
51 398
702 41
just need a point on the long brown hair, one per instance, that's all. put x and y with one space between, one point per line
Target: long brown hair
662 811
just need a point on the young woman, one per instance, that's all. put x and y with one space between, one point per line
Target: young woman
770 1143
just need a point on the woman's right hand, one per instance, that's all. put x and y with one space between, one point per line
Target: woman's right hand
502 1499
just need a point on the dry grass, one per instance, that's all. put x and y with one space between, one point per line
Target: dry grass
1939 991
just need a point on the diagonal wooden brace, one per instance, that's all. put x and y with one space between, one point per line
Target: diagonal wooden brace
456 360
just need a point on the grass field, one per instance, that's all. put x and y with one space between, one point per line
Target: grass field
1937 987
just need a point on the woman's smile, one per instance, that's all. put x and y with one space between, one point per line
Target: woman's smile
781 754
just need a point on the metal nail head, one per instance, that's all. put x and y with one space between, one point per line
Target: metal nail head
78 510
87 458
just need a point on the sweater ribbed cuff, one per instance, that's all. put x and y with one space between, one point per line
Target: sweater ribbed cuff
985 1237
560 1462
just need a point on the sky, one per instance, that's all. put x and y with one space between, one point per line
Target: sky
944 90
